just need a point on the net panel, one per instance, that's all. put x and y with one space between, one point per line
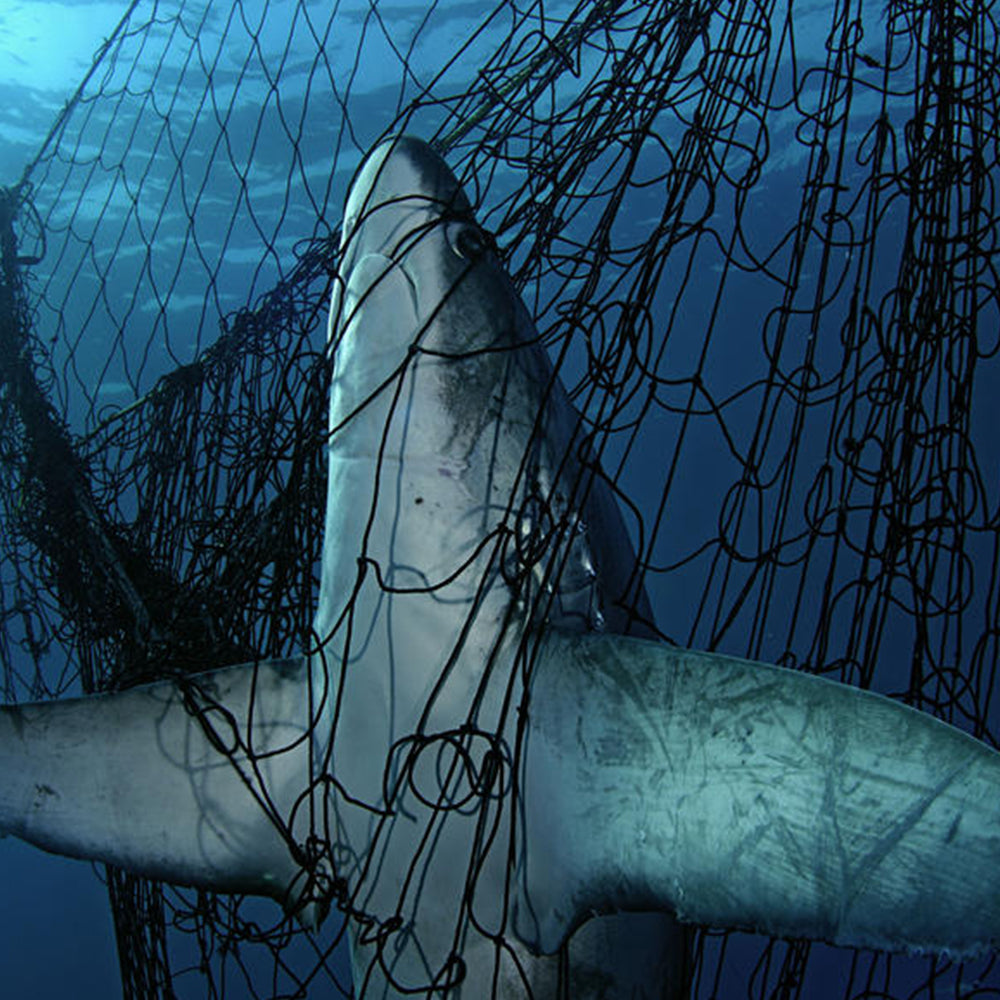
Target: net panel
758 239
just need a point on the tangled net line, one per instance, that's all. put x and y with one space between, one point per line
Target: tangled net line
760 242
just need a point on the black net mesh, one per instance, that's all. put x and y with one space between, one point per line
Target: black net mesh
759 239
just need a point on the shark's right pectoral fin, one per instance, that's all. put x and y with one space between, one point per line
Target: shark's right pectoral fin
742 795
192 781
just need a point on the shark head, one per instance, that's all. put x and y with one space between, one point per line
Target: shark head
417 274
441 387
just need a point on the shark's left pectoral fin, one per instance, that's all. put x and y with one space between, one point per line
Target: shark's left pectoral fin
192 781
742 795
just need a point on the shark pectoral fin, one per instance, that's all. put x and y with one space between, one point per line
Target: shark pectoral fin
192 782
742 795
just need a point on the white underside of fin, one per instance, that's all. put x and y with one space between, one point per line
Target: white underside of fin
740 794
193 783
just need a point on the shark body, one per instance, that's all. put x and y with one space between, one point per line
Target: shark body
486 758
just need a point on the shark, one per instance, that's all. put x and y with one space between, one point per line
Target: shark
488 759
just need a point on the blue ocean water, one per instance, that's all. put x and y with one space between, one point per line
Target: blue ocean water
58 938
56 932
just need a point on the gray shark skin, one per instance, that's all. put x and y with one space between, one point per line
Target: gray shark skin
475 522
516 790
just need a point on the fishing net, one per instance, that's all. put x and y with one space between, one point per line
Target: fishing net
758 239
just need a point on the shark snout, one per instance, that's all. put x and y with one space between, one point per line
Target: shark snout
402 187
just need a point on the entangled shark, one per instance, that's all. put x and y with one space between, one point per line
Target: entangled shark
487 758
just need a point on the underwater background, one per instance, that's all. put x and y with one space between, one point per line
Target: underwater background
186 172
57 936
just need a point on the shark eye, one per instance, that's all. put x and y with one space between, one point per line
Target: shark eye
468 242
